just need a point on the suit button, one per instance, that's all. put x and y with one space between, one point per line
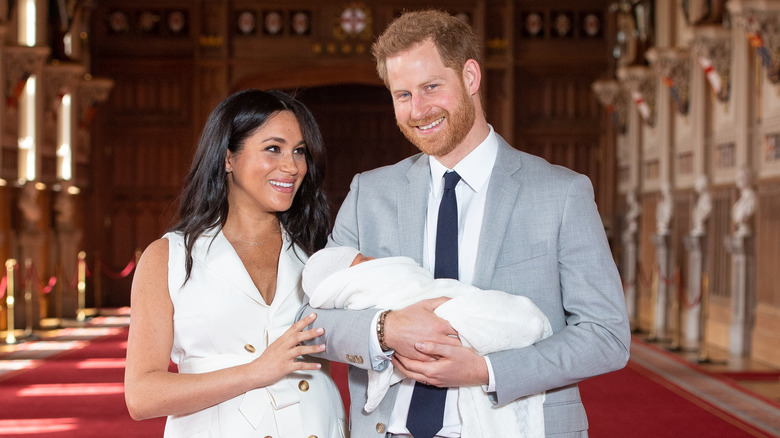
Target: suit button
312 436
303 385
380 428
249 348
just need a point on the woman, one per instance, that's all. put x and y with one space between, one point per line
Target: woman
217 295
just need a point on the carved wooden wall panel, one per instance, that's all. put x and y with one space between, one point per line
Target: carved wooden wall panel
558 118
681 224
168 81
648 265
370 139
768 246
720 260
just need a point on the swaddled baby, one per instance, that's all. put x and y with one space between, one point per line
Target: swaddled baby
486 321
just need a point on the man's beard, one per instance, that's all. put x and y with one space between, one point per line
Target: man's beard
459 124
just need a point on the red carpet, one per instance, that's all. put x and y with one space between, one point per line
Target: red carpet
78 393
635 402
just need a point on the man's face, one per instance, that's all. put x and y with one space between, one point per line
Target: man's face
433 107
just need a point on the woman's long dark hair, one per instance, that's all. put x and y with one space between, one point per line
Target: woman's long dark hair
204 199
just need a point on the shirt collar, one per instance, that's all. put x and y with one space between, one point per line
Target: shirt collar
474 169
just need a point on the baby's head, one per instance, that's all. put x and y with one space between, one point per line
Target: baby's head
328 261
360 258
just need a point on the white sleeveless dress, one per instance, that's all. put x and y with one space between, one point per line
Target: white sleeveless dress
220 320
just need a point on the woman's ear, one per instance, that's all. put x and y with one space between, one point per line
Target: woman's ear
228 166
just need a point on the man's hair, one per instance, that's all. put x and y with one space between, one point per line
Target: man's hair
453 38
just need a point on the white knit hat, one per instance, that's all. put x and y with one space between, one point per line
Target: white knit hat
325 262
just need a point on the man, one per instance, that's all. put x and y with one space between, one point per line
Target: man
523 226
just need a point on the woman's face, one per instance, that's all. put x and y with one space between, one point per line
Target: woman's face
267 172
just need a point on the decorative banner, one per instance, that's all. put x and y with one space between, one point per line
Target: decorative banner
712 76
642 107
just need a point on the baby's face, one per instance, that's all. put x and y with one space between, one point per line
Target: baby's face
360 258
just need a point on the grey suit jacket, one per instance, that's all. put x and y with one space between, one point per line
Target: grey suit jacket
541 237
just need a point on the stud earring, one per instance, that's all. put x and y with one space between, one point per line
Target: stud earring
228 170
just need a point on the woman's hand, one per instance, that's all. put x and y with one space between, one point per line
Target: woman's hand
281 357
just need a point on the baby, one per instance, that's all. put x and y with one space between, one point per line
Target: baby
486 321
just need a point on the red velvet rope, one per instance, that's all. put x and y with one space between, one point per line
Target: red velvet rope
49 286
124 273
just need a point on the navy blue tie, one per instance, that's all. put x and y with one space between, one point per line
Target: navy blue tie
426 410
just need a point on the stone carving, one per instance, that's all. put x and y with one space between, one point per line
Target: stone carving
632 213
703 207
663 212
742 210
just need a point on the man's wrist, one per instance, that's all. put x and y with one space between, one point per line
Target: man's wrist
380 330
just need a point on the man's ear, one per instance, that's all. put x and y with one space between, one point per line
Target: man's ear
472 76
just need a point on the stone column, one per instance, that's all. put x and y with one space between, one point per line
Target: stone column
743 292
692 318
661 291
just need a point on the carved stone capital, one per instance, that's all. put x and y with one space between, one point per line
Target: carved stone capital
90 92
614 99
61 79
639 81
19 62
713 52
674 67
762 26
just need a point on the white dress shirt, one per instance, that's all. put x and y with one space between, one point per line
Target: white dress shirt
471 192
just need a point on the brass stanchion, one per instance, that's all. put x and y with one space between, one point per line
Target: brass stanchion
58 295
28 304
97 281
10 338
82 286
677 307
705 303
652 336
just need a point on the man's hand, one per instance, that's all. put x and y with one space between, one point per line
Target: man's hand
418 323
455 366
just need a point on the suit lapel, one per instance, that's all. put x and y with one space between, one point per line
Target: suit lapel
412 205
220 258
501 197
